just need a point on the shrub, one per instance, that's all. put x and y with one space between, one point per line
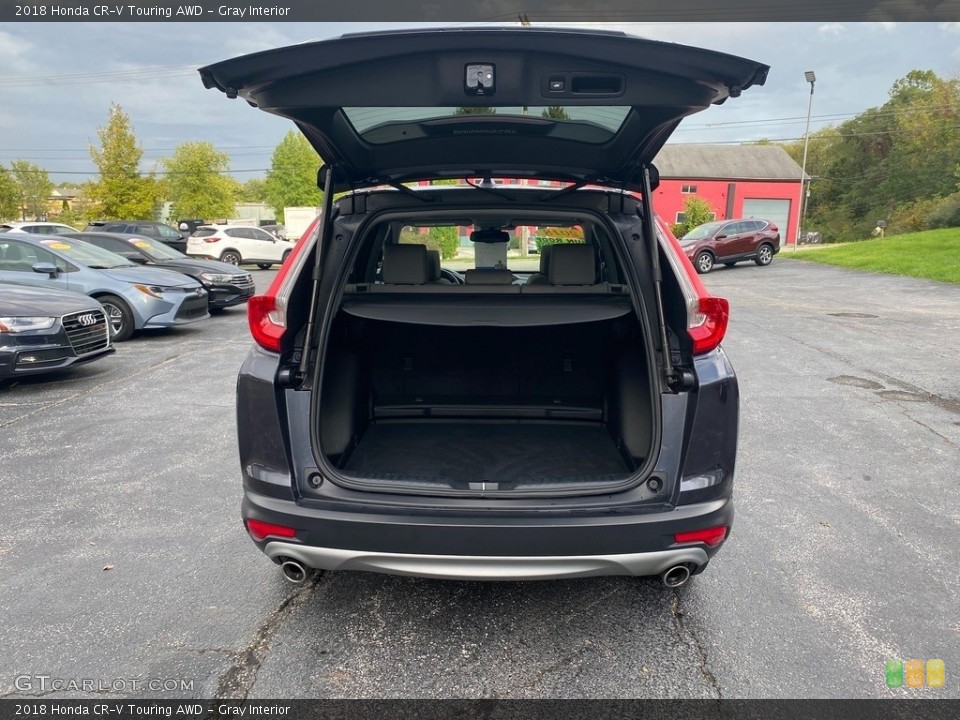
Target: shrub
946 213
445 240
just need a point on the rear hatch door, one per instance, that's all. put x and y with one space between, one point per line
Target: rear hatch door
584 106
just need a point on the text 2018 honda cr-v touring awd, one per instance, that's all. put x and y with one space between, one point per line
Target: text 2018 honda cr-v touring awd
472 417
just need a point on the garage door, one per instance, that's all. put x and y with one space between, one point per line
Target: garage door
776 211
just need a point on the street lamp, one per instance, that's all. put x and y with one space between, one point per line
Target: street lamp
811 78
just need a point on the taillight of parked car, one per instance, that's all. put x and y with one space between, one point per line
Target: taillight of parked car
211 239
267 313
709 324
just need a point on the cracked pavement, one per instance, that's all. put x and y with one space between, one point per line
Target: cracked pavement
844 551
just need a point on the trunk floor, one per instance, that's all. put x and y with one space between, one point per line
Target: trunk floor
454 454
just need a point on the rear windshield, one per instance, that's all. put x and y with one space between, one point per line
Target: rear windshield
204 232
607 118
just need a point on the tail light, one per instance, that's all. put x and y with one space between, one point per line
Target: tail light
211 239
709 324
267 313
707 316
261 530
710 536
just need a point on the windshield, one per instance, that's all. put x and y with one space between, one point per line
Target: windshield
85 253
607 118
702 231
156 250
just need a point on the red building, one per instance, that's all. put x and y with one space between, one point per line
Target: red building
739 181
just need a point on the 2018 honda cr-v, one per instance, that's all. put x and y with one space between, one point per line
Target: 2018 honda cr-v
422 399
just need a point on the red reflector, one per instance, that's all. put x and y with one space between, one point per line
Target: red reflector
265 331
709 333
711 536
261 530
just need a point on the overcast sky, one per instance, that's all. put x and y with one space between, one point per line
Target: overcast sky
57 81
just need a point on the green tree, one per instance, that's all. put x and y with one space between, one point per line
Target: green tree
475 110
252 191
445 240
292 180
33 187
696 211
9 196
120 191
196 182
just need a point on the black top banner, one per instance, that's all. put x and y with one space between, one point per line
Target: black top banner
492 11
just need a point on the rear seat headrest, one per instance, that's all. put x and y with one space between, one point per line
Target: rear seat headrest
573 265
405 265
489 276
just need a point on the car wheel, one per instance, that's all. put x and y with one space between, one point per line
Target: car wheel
264 266
231 257
764 255
285 256
120 317
703 262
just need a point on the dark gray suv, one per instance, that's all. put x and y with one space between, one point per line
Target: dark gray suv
476 415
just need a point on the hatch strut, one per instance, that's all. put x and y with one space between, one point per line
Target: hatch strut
650 230
326 232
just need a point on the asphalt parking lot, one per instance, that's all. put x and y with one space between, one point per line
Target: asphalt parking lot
123 556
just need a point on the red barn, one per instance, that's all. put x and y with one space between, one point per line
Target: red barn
739 181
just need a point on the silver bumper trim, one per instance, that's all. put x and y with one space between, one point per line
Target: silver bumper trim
465 567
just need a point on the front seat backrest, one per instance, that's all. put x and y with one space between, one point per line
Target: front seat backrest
573 265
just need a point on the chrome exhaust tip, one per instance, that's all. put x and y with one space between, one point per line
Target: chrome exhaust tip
676 576
293 571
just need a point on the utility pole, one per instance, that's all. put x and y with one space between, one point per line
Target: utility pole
811 78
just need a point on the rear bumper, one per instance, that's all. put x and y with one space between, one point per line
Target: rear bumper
461 567
487 546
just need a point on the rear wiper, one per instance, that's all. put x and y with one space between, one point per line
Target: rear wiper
410 192
488 188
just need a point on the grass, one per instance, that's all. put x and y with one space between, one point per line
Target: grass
931 255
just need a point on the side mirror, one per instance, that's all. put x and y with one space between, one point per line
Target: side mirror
46 268
722 236
139 259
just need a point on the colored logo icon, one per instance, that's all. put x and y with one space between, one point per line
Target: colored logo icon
913 673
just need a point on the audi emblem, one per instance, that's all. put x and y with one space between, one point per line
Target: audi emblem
87 320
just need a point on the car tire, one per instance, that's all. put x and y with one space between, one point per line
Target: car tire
764 255
231 257
285 256
120 317
264 266
703 262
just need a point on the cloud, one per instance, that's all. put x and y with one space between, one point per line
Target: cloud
950 28
831 30
887 27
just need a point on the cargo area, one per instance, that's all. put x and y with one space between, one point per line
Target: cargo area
486 407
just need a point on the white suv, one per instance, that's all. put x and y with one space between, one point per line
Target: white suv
238 244
37 228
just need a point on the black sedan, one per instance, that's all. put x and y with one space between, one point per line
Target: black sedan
42 330
226 285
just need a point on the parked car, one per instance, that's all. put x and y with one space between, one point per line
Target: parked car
36 228
238 244
226 285
134 297
581 423
46 330
731 241
149 228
